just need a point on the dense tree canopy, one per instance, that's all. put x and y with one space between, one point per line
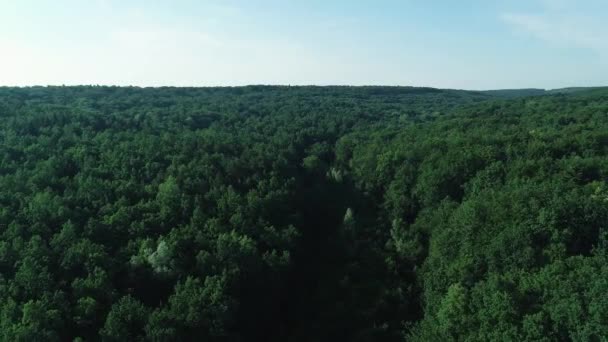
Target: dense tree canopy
303 214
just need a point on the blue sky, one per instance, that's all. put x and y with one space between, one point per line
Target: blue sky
469 44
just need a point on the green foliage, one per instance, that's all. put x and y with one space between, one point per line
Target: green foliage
303 214
125 321
196 310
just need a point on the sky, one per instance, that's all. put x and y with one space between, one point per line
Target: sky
464 44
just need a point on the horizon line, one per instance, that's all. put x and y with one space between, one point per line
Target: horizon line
289 86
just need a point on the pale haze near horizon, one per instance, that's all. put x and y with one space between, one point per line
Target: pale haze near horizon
469 44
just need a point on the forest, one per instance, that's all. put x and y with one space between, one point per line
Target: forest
277 213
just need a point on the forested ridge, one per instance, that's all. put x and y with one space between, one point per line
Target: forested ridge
303 214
